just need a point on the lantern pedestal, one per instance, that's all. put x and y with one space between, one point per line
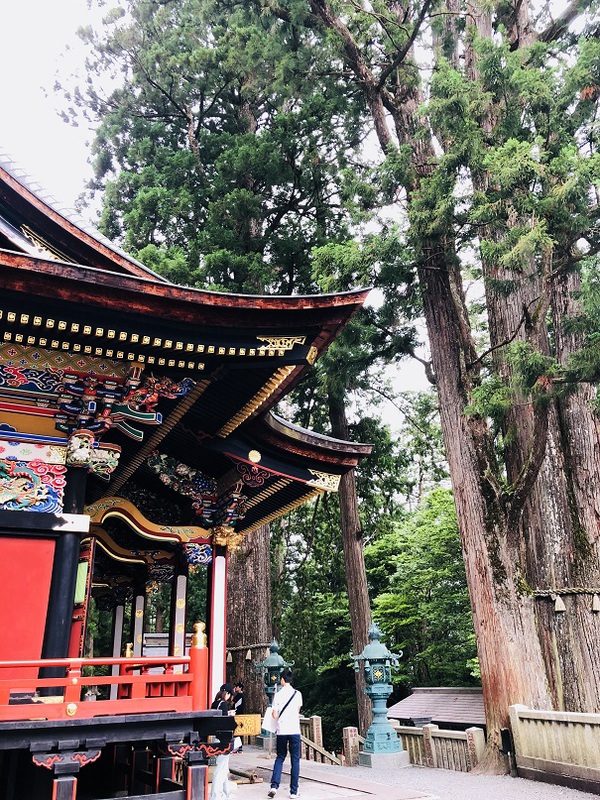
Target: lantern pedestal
384 760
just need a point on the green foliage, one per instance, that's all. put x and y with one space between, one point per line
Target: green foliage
492 398
233 155
217 146
584 364
424 610
530 365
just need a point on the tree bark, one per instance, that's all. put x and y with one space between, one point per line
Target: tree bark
249 615
512 667
354 560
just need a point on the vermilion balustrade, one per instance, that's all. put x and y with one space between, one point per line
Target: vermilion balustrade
138 689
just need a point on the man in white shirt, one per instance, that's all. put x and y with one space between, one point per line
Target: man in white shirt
286 711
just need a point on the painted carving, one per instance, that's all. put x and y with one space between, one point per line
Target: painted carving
35 362
179 750
324 480
97 404
22 380
79 449
160 573
119 507
51 760
281 343
209 750
252 475
230 506
198 554
105 460
188 482
86 757
16 446
47 760
33 485
227 537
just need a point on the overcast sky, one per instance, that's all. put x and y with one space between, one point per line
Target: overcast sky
38 40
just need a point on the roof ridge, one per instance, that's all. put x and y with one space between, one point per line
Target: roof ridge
22 176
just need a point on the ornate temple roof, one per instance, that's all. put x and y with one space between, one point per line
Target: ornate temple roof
181 380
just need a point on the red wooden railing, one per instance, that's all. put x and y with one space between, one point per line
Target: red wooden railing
138 689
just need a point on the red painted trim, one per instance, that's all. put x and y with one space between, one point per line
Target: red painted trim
38 277
21 408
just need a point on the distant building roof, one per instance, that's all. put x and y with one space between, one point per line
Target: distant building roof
462 706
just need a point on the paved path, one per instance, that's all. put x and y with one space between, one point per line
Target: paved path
322 782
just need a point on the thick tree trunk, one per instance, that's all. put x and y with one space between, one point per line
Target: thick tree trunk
559 525
512 666
354 559
249 615
572 555
541 532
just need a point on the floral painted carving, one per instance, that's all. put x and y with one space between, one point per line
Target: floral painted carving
188 482
79 449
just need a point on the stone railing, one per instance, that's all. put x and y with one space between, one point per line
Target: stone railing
429 746
557 746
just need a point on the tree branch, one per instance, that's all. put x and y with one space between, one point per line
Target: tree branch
561 23
401 55
356 62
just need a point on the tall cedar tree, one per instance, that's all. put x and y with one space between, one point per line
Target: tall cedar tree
500 166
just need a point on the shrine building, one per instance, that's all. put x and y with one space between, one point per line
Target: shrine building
138 447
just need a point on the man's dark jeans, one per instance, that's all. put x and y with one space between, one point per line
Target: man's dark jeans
283 743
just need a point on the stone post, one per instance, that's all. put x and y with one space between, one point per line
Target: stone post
429 744
351 746
475 746
316 730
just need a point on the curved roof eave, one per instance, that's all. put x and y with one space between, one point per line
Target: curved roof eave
143 287
296 432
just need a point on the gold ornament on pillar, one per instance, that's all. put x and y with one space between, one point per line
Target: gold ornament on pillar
199 637
227 537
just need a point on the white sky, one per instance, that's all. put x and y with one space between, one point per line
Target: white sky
38 40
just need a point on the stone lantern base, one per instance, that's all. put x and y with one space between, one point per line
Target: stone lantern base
384 760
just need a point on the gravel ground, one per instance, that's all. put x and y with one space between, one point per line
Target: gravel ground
449 785
441 784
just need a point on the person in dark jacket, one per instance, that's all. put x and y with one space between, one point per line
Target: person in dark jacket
239 705
222 701
220 779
